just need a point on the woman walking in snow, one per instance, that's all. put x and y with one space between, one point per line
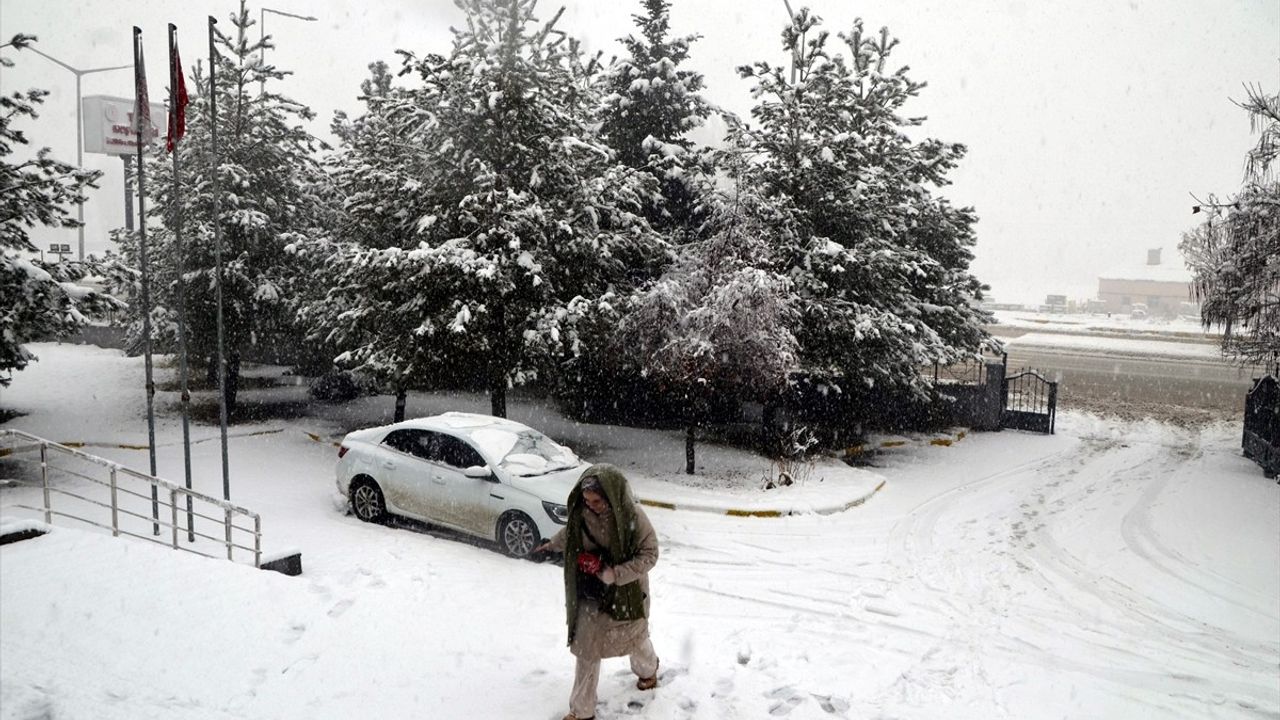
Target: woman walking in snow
609 547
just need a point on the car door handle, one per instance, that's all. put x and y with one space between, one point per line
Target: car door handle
388 464
437 479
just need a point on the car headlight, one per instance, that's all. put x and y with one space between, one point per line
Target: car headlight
558 513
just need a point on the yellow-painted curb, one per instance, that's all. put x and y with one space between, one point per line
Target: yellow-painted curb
753 513
893 443
861 500
942 442
319 439
655 503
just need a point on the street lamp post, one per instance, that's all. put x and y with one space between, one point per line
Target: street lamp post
262 37
79 127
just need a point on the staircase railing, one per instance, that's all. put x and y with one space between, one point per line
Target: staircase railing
129 500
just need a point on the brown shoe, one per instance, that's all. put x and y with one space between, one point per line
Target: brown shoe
649 683
571 716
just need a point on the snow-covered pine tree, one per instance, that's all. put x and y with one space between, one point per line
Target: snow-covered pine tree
38 300
881 263
358 308
649 106
273 194
517 216
718 322
1235 253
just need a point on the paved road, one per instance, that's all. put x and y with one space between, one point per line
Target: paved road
1096 379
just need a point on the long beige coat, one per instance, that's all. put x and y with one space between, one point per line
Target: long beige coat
597 634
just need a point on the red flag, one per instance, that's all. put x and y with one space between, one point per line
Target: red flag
142 112
177 95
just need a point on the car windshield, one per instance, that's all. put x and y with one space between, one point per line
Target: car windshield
524 452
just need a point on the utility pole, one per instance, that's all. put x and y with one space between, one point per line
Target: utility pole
262 34
79 126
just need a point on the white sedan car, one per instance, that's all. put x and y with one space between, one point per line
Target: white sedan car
484 476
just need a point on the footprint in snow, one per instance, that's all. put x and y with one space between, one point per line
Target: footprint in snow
340 607
787 699
832 704
722 688
294 631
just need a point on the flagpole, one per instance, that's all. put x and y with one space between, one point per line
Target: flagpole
176 108
142 112
217 249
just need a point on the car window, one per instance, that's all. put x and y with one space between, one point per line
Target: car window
426 445
419 443
402 440
458 453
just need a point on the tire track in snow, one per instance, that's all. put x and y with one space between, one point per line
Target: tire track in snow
1036 553
1149 471
1141 537
1186 639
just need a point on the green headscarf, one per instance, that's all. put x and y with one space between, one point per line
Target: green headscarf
622 602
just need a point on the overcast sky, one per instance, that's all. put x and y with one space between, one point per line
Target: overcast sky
1088 122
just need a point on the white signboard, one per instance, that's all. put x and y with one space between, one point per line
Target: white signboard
108 125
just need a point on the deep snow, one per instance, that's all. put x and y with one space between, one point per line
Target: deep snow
1116 569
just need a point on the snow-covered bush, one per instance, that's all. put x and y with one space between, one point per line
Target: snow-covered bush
336 386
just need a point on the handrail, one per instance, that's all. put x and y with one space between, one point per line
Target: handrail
229 510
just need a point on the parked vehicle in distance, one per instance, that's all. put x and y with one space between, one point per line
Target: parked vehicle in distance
1138 311
481 475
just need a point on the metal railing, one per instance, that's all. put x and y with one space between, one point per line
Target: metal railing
129 500
971 372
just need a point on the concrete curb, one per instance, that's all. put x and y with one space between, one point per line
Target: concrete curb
760 512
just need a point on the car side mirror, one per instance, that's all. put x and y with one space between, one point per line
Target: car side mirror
480 472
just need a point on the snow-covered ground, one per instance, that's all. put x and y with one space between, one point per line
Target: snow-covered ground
1097 323
1138 346
1116 569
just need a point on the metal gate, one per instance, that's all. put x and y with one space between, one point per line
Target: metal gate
1030 402
1262 425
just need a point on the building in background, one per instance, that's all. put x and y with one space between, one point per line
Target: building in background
1156 289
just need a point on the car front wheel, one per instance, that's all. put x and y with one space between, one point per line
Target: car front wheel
367 501
517 535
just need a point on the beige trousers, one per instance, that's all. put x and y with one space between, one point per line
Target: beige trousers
586 678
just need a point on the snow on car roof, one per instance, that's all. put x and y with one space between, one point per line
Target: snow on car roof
470 420
462 422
